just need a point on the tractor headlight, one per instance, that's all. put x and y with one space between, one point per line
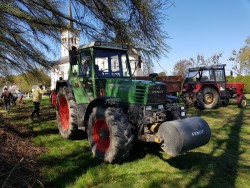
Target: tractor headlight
160 107
183 114
148 108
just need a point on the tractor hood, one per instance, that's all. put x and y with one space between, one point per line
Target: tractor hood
137 91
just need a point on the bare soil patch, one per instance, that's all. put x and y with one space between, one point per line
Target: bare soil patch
18 167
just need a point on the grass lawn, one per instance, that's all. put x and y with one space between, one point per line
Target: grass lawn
224 162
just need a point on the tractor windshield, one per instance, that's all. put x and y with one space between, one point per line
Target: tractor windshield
106 63
111 63
192 76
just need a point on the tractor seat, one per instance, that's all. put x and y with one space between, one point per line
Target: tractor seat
204 78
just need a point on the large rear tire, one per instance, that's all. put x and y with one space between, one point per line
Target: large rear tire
209 99
66 113
109 134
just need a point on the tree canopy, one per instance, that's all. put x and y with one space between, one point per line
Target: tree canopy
27 80
162 74
241 59
28 27
181 67
200 60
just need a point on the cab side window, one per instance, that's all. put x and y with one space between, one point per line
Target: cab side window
219 75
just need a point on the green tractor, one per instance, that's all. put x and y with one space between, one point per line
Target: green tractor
103 100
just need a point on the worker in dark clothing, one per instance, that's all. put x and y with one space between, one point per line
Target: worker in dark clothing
7 96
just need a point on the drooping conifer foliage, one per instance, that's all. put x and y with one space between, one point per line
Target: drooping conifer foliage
30 30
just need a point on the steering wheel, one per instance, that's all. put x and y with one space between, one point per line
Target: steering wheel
105 71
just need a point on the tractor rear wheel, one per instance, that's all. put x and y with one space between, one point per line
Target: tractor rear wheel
66 113
109 134
243 102
210 98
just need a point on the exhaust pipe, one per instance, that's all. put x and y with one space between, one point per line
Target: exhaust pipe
181 135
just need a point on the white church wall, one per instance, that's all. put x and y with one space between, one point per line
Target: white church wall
135 69
69 39
62 70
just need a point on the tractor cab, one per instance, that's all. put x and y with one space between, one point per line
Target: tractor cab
206 86
214 73
95 65
101 59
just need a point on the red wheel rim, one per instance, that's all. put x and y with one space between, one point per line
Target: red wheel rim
64 113
101 135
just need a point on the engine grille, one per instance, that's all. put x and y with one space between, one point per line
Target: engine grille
157 94
140 93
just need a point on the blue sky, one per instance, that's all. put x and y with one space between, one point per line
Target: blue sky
204 27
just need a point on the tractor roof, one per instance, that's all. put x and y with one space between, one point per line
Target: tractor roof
99 44
219 66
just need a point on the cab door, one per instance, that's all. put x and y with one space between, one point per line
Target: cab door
220 78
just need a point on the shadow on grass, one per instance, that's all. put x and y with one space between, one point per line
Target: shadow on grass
70 167
141 149
221 170
189 160
22 113
227 162
47 131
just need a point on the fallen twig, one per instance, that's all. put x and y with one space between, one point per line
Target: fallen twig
11 172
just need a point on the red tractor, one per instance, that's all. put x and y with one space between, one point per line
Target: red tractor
206 87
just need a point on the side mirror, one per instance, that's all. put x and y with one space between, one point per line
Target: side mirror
231 73
139 61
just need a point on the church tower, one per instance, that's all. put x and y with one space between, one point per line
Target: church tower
69 37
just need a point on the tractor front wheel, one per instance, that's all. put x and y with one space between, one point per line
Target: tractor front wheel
66 113
225 102
209 99
243 102
109 134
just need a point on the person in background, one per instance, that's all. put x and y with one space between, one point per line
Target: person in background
97 71
7 96
37 97
13 99
20 96
53 98
86 66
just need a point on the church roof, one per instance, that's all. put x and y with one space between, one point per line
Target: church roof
62 60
